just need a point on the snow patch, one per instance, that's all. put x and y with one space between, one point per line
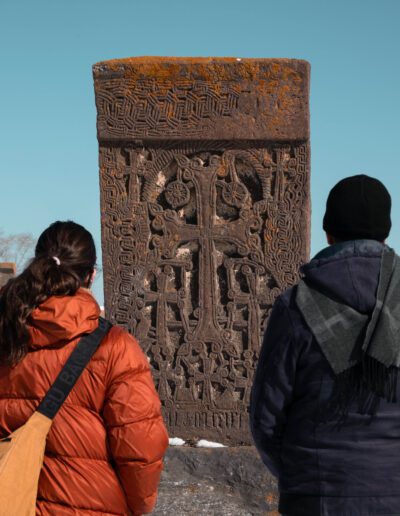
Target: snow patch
209 444
176 441
161 179
183 252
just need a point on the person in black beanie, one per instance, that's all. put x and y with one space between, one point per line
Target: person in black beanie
358 207
324 409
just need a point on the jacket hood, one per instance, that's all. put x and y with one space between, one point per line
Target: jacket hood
62 318
347 272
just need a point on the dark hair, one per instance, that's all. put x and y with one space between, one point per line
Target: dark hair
65 255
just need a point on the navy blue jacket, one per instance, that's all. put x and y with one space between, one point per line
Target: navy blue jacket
322 471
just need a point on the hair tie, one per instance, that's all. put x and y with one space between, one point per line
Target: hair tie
57 260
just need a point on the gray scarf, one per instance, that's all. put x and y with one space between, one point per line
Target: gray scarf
363 350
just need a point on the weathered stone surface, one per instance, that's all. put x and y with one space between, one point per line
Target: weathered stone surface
213 98
205 220
7 271
220 481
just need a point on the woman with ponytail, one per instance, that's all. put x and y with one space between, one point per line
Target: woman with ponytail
105 448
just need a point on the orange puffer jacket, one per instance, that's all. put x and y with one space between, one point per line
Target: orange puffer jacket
105 448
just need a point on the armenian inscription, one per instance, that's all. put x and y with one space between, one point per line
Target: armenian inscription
204 220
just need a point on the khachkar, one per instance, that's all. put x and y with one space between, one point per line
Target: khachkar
204 171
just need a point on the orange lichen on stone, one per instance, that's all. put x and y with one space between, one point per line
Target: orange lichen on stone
270 498
205 68
258 98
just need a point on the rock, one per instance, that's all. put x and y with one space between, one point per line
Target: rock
229 481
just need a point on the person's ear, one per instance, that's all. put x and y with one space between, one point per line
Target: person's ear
91 277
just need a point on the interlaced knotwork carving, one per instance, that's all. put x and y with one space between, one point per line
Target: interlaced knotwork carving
199 239
202 98
166 109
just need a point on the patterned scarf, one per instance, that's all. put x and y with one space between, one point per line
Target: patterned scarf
363 350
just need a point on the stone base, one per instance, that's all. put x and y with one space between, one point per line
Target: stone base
216 481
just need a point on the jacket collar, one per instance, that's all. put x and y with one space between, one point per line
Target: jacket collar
347 249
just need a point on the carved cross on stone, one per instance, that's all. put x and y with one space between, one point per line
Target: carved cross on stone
203 181
204 169
281 169
162 297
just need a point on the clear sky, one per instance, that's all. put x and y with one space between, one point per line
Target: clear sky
49 163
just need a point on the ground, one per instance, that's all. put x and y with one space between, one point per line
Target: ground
229 481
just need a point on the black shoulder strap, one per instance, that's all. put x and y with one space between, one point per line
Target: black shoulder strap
72 370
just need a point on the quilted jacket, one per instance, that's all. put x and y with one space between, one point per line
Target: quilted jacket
105 448
322 471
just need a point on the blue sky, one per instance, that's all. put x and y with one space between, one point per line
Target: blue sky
49 163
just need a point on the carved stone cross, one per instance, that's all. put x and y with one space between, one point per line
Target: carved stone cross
204 170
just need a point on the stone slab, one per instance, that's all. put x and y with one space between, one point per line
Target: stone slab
229 481
205 221
7 271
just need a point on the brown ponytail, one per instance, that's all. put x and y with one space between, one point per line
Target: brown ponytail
65 255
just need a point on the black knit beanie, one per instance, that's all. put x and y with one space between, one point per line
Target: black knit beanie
358 207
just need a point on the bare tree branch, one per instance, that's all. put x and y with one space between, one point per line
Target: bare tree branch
16 248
